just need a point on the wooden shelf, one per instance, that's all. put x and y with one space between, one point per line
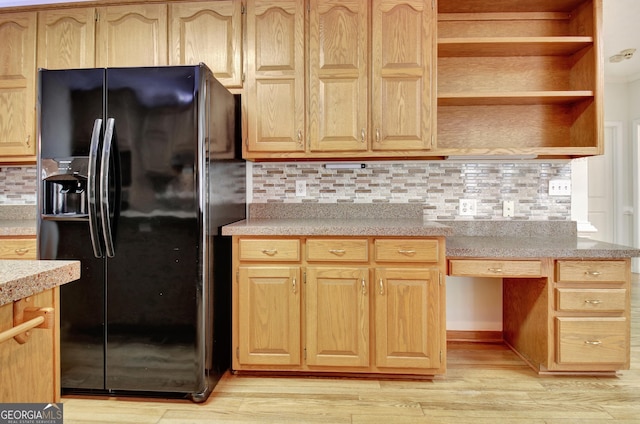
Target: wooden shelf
520 46
513 98
484 6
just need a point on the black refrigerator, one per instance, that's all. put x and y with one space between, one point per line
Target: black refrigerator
138 170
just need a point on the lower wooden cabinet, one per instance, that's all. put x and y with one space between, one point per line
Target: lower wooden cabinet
339 305
591 315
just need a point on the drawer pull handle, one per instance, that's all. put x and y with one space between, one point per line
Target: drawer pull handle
337 252
364 287
495 270
593 301
407 252
592 273
270 252
593 342
381 287
363 135
22 251
293 286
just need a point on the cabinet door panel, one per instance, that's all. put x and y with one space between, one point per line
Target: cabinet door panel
17 85
275 95
269 315
402 49
337 317
208 32
338 69
132 35
66 38
407 318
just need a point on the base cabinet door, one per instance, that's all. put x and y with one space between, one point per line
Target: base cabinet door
337 316
269 316
407 323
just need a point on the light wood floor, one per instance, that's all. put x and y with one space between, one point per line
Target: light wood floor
484 384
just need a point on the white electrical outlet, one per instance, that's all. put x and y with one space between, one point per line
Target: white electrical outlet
301 188
468 207
560 188
508 208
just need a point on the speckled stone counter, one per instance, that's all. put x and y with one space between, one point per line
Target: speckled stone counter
465 239
22 278
17 220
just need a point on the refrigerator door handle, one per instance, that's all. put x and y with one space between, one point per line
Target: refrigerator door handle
91 188
104 187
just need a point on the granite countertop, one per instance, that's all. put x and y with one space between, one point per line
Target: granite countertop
464 239
21 278
17 220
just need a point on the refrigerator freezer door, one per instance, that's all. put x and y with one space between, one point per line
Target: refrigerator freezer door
154 281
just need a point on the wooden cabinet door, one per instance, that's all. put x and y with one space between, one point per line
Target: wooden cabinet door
208 32
132 35
17 86
407 317
268 316
275 94
402 51
337 316
66 38
338 76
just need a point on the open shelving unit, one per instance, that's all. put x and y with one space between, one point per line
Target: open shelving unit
519 77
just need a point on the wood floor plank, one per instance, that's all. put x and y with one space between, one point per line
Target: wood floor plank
485 384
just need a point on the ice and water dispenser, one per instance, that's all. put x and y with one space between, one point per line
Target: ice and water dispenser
65 187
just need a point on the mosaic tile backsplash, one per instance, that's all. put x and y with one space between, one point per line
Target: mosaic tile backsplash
437 186
17 185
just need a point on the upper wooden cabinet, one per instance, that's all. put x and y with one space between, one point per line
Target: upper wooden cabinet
66 38
275 84
369 80
402 61
338 76
209 32
17 87
132 35
519 77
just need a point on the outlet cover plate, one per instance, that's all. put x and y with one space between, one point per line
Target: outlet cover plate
468 207
301 188
508 208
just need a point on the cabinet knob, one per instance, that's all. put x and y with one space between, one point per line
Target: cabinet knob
294 287
363 135
364 287
300 137
377 135
381 286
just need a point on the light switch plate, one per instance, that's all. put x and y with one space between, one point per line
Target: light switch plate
560 188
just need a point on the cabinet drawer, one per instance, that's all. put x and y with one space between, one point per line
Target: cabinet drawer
591 300
592 340
406 250
18 248
603 271
269 250
337 250
490 268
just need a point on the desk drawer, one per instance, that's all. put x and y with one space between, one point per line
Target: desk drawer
491 268
591 300
591 271
341 250
18 248
591 340
406 250
269 250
